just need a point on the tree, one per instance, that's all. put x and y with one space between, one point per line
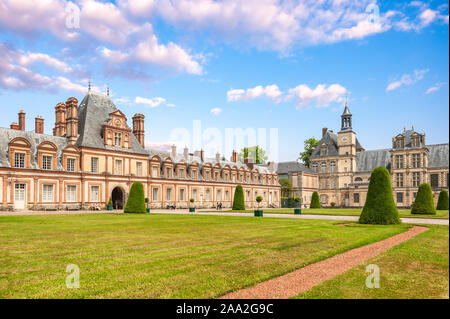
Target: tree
380 207
310 144
315 201
443 200
238 201
424 202
255 152
286 187
136 199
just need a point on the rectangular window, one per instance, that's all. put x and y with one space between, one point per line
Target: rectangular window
155 194
227 196
399 161
314 167
332 183
434 180
139 168
118 139
46 162
207 176
323 183
19 160
208 195
416 160
181 173
71 195
416 179
169 194
194 174
94 164
71 165
95 193
47 193
399 178
356 197
216 176
118 167
333 167
219 195
248 195
324 167
399 197
154 171
168 175
182 195
194 194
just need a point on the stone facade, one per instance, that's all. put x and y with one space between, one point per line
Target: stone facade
94 155
343 166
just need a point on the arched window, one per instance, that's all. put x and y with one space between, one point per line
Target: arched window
333 167
324 167
358 179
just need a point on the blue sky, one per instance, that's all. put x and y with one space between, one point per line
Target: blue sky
234 64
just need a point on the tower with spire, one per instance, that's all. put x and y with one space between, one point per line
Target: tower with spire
346 117
347 146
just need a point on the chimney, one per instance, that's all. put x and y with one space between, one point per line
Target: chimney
72 120
197 153
174 151
186 153
138 128
324 131
22 120
39 124
271 166
249 162
202 155
60 119
217 157
234 156
14 126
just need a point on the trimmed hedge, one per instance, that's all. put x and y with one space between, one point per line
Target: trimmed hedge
238 201
424 202
442 201
136 199
315 201
380 207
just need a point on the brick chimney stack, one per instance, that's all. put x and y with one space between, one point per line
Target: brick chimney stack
217 157
186 153
39 124
14 126
202 155
138 128
249 162
324 131
72 119
60 119
22 120
234 156
174 150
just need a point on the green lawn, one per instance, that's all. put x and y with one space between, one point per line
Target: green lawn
163 256
343 212
417 268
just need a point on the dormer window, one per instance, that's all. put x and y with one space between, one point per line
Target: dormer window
323 150
118 139
400 143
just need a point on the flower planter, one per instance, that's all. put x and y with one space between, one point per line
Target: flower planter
191 209
148 210
109 207
258 213
297 211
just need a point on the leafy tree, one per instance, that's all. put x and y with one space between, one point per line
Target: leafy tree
424 202
286 187
136 199
309 145
315 201
238 201
443 200
254 152
380 207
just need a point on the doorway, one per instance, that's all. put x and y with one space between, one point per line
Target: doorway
117 198
19 196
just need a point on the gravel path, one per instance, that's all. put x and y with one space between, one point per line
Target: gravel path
307 277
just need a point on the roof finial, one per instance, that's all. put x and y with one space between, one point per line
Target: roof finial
346 99
413 127
89 86
107 89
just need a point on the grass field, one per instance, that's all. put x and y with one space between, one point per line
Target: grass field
343 212
163 256
417 268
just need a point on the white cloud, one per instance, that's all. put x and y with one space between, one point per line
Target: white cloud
153 102
271 91
321 95
216 111
407 79
435 87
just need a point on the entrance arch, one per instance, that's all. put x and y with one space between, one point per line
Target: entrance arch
118 198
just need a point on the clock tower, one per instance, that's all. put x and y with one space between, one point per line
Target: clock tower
347 145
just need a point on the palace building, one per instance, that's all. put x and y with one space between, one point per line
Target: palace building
340 167
94 155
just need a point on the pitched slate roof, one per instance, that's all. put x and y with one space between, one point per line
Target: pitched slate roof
94 112
407 135
7 135
293 166
438 155
368 160
330 139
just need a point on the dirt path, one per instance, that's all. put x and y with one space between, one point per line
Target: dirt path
305 278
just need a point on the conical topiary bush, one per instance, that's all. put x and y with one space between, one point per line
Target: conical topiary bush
315 201
424 202
442 201
238 201
380 207
136 199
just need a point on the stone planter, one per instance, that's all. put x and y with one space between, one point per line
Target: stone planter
297 211
148 210
258 213
191 209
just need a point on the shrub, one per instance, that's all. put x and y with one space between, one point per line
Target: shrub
191 200
136 199
238 201
443 200
259 199
315 201
424 202
333 204
380 207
